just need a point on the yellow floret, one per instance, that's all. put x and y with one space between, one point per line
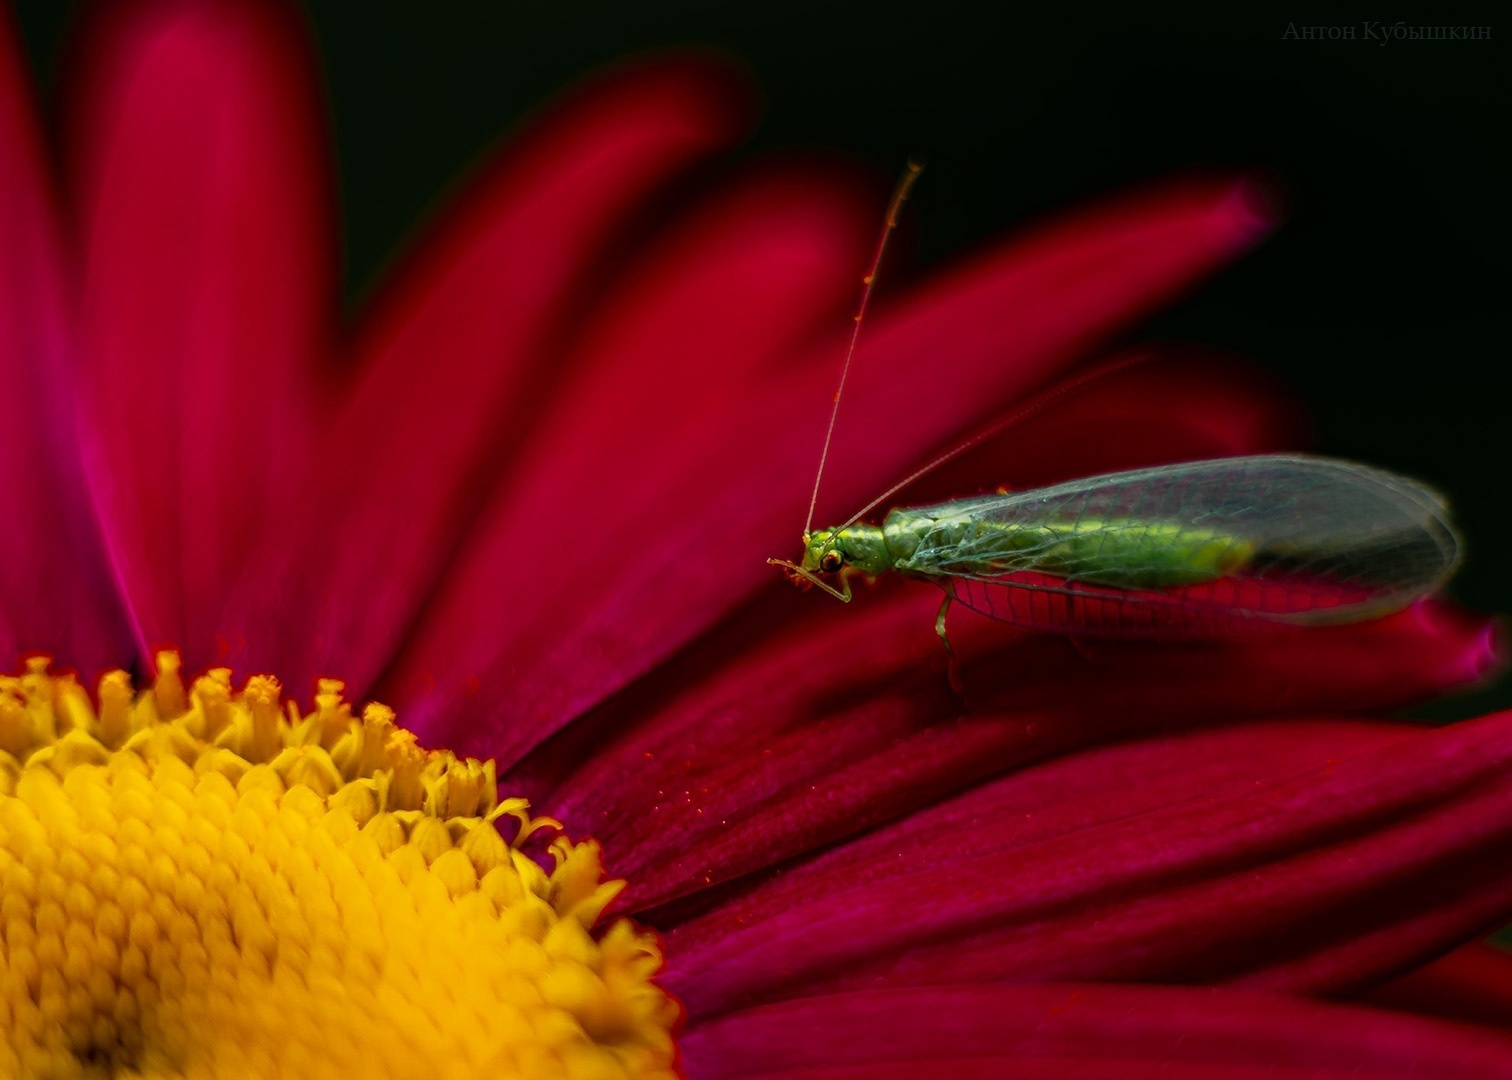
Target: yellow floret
201 882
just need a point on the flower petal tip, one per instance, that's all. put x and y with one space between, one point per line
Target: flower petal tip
1490 659
705 79
1252 208
1482 653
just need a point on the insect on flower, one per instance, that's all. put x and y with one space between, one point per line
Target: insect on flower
1210 548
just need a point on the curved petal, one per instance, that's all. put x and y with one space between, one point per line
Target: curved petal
452 365
1142 405
1234 856
1473 983
758 763
1007 321
944 1062
56 591
1469 896
1078 1030
738 282
204 206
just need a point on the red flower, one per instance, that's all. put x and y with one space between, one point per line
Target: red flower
528 503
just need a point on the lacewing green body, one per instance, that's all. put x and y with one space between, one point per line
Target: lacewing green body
1201 546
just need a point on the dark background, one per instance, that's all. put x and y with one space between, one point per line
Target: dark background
1380 302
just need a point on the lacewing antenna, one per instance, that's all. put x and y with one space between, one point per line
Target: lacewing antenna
899 196
1027 411
1035 405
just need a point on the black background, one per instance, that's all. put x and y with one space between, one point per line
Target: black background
1380 302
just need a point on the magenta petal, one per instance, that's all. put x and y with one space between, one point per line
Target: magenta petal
1006 322
1074 1030
742 280
1205 857
56 592
1469 896
451 369
1472 983
1144 405
946 1063
1403 659
757 763
203 205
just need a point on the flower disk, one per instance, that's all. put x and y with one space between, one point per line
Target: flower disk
207 883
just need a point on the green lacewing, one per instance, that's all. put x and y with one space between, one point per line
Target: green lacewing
1199 548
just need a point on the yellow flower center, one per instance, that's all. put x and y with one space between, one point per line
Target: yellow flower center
206 883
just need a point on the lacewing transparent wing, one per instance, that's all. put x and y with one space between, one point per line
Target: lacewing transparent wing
1203 547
